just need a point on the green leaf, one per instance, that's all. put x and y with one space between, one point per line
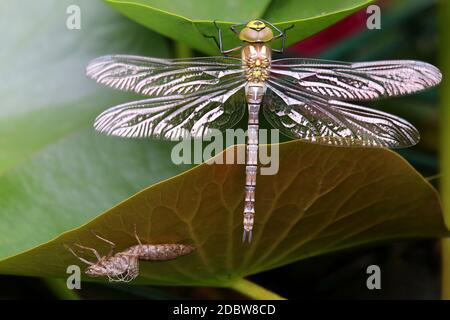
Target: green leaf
188 21
55 171
322 199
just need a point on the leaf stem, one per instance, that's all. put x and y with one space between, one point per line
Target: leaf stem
445 265
444 34
182 50
59 288
433 177
254 291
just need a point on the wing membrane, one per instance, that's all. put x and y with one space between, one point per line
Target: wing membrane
357 81
177 116
160 77
306 116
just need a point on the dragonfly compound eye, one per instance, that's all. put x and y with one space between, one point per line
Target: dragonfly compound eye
256 25
256 31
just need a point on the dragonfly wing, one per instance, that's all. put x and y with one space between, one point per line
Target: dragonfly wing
357 81
177 116
306 116
161 77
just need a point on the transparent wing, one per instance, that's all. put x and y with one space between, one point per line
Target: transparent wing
177 116
306 116
357 81
160 77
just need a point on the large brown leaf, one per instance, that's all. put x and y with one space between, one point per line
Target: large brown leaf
322 199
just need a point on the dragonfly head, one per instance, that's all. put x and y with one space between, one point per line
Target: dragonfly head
256 31
96 270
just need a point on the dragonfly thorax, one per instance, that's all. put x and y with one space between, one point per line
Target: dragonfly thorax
112 267
256 59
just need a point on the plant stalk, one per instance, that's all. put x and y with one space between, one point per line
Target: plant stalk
182 51
254 291
445 265
444 115
59 288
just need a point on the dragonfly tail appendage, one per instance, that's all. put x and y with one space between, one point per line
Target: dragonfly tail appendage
251 170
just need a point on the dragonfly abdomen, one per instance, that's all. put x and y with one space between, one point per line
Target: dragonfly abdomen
254 93
159 251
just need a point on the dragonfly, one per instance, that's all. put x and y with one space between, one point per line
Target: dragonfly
307 99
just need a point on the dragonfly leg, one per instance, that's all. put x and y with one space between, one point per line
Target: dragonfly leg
214 38
219 43
234 26
90 249
112 244
282 35
136 236
80 258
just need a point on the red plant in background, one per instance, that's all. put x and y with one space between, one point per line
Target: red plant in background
326 38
